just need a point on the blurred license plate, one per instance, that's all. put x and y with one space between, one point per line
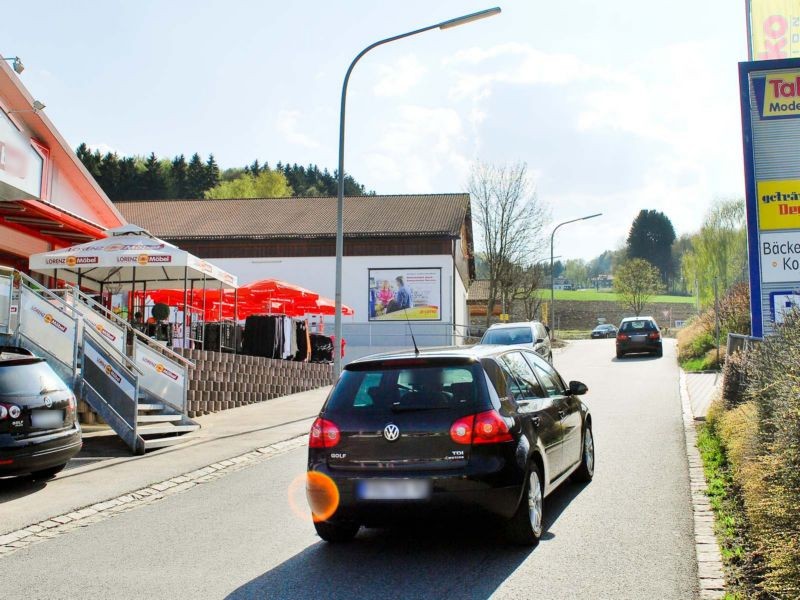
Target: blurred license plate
638 338
46 419
394 489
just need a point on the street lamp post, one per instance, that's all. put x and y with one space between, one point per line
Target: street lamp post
463 20
552 276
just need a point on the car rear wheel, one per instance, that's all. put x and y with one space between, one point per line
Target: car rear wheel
585 472
525 527
660 352
49 473
620 354
336 532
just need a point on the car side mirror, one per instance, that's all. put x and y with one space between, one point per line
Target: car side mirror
539 340
576 388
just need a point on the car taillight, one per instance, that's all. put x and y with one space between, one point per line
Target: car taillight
621 337
324 434
484 428
654 336
72 405
461 430
9 411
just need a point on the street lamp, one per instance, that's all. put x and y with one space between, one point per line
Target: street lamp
449 24
16 64
552 277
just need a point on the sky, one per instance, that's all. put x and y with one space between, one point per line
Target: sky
614 106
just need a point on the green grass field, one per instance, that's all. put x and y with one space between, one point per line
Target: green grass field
594 296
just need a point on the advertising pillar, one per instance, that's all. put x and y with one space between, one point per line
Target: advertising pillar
770 95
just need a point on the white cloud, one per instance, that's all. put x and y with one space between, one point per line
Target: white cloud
416 147
104 149
670 108
400 77
287 125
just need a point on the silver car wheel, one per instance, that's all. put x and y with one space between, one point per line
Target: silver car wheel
535 503
588 451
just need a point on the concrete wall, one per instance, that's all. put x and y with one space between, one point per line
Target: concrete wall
573 314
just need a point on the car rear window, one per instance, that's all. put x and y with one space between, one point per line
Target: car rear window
406 388
508 336
29 379
640 325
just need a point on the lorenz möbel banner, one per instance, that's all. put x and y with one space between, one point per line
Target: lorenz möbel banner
770 96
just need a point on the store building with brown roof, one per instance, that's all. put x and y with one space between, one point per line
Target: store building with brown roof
405 256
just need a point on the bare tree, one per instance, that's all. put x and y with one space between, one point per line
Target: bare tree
528 290
510 218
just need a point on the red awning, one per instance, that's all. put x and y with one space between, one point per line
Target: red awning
48 221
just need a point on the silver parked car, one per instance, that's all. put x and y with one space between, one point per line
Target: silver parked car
532 334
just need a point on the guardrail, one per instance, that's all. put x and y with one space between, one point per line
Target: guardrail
737 341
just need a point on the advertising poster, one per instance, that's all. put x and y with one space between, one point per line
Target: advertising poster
771 127
774 29
397 294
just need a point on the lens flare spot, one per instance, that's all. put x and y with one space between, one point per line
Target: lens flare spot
321 494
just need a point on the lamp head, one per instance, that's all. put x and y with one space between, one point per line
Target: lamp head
482 14
37 106
16 64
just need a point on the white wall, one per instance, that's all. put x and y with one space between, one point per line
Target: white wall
363 337
318 273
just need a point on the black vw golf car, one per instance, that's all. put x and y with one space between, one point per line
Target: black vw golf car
39 432
493 428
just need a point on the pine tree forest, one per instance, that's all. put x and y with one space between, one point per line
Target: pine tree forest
154 178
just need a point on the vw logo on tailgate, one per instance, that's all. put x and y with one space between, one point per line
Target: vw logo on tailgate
391 432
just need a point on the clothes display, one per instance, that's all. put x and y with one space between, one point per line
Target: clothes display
303 341
224 336
321 348
276 336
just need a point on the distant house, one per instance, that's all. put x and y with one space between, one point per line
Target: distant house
604 281
562 283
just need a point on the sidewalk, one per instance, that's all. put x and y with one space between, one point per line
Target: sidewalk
702 389
223 435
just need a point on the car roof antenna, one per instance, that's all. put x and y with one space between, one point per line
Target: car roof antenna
416 350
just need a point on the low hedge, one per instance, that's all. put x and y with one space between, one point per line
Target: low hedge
759 425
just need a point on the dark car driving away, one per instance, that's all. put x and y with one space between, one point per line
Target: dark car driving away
39 432
489 428
639 334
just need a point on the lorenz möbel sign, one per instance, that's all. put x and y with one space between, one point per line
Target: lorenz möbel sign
770 96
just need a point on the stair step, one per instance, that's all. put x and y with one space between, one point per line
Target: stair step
158 418
146 406
162 429
163 442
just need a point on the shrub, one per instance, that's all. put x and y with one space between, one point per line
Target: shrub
762 440
733 374
698 336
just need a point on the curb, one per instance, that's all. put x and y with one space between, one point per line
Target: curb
100 511
710 574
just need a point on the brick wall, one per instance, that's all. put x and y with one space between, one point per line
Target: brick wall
221 381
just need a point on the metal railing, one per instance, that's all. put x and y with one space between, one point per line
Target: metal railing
737 341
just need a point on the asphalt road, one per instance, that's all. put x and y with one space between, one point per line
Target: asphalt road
628 534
